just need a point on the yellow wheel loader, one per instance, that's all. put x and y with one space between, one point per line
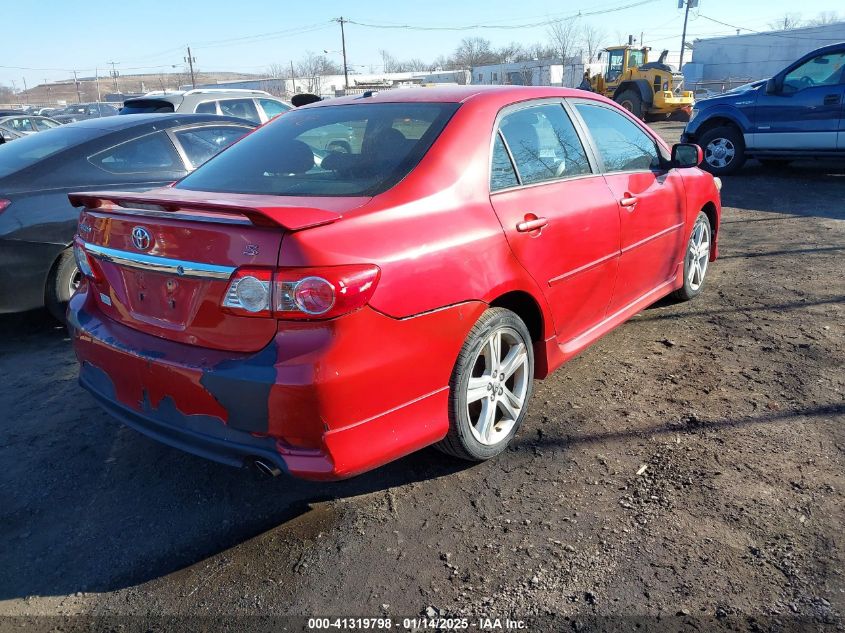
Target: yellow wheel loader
649 90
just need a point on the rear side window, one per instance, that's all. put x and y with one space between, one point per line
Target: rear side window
208 107
45 124
202 143
502 174
241 108
347 150
622 145
272 107
544 144
148 154
146 106
28 150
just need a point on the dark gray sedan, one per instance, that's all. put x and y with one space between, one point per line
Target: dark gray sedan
129 153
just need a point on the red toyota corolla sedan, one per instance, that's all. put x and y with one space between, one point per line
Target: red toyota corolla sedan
366 276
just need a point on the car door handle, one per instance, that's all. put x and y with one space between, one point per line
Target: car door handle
531 223
628 201
831 99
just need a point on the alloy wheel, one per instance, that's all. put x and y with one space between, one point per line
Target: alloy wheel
698 254
498 386
719 152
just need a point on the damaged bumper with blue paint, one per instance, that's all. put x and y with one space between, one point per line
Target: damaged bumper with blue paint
312 402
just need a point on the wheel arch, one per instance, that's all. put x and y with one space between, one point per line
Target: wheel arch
640 86
709 209
51 271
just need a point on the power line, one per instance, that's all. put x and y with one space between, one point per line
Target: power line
773 33
505 27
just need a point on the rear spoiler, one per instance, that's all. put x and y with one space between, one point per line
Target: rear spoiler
292 217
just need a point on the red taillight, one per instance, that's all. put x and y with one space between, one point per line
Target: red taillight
4 204
301 293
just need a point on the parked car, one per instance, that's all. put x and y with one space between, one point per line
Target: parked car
44 111
798 113
83 111
11 112
324 320
37 223
28 124
253 105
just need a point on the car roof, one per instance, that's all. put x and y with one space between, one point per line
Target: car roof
457 94
171 119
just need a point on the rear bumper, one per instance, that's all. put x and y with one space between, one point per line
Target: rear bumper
323 400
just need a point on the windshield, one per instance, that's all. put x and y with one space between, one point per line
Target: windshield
348 150
146 106
28 150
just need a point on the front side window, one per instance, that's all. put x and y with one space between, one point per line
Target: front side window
544 144
635 58
202 143
241 108
20 124
824 70
272 107
148 154
622 145
614 65
350 150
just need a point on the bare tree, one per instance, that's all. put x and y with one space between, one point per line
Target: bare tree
826 17
474 51
593 38
563 37
279 71
786 22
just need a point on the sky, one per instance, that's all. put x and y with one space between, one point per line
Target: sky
250 35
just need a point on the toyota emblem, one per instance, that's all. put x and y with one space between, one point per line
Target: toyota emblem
141 238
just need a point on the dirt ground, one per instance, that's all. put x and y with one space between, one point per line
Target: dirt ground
686 472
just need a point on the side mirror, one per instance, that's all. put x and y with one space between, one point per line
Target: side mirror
686 155
772 86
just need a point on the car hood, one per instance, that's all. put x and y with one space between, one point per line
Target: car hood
730 95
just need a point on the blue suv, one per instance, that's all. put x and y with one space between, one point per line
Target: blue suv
798 113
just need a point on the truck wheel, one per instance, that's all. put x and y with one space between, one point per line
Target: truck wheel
62 283
490 387
724 150
632 102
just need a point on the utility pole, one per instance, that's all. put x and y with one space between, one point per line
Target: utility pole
191 61
25 91
114 75
292 79
97 79
343 47
689 4
78 94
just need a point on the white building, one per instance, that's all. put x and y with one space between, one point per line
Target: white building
755 55
537 72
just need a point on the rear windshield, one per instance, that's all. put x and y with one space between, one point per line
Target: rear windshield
146 106
344 150
30 149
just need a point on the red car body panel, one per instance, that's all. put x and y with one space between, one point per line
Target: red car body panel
329 399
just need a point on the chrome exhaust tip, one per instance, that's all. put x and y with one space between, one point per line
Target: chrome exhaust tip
266 469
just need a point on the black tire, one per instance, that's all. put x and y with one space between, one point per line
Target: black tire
461 441
631 101
61 284
774 163
729 138
690 289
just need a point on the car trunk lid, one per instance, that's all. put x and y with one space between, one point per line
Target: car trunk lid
164 259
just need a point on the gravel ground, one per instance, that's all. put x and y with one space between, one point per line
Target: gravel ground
687 470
